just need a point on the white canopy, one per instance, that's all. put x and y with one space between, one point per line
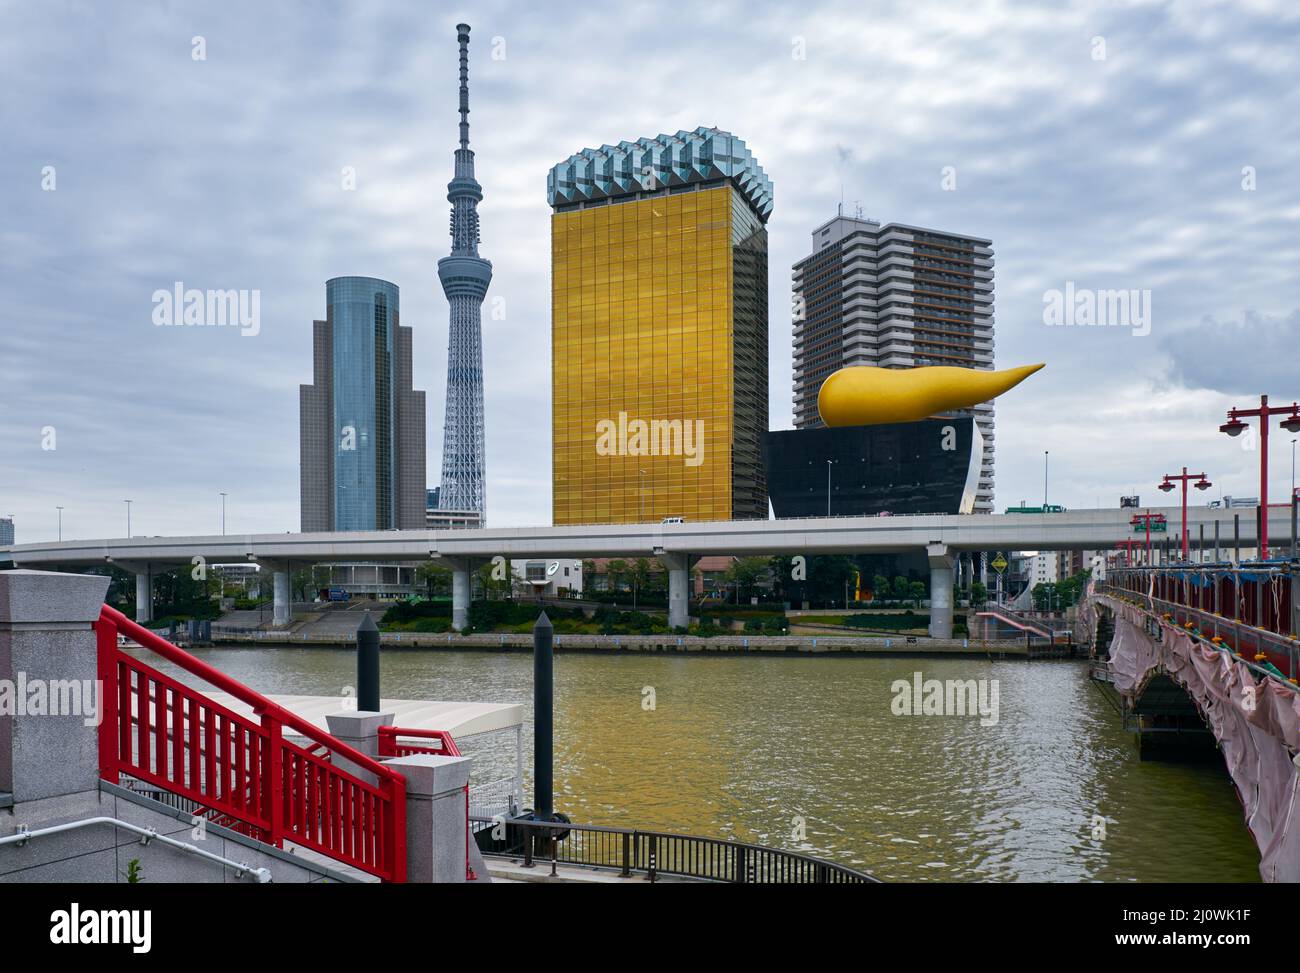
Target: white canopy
458 718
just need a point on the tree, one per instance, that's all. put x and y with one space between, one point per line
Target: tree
616 571
435 576
916 591
979 594
492 586
305 582
880 587
902 588
640 575
177 592
1046 596
746 572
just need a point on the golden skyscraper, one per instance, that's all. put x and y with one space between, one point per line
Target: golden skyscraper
659 331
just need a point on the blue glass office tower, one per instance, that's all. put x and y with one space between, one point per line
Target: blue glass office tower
362 425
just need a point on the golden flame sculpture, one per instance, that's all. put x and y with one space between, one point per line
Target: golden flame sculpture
865 395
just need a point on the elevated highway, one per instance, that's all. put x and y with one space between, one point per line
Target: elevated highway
940 536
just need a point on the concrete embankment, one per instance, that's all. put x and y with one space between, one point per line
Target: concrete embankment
718 645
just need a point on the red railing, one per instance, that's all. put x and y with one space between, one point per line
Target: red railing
1248 608
242 772
391 746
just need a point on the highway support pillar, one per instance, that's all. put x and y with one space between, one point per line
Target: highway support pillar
281 596
679 589
282 613
144 572
941 565
144 597
462 569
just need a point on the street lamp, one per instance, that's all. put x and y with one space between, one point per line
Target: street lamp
1127 545
60 510
1146 519
1184 477
128 518
1046 453
223 515
1234 427
828 487
640 484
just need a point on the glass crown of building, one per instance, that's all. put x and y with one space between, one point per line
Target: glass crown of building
663 162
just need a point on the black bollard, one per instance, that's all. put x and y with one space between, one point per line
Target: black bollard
368 665
543 717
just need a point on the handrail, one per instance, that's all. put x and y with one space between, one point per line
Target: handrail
245 771
734 861
1042 628
389 747
22 836
261 705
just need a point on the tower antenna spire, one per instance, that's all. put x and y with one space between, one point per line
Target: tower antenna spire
462 35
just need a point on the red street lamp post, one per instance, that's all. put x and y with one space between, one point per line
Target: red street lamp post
1127 546
1146 519
1234 427
1201 484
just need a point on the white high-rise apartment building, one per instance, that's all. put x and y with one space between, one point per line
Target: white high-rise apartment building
894 296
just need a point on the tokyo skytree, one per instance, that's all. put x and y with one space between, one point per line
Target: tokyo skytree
465 278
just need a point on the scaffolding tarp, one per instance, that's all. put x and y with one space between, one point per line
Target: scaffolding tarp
1256 721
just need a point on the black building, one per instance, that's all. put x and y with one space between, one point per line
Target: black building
925 467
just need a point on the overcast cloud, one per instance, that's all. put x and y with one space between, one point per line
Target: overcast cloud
1123 172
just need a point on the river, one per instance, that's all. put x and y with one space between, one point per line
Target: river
805 753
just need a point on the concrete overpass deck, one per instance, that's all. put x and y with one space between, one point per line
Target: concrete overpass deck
941 536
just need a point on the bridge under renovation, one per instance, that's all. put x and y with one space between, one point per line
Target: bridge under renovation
1200 656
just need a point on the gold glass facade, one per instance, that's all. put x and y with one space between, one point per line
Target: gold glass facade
644 359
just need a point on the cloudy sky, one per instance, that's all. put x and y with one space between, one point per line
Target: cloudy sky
1148 146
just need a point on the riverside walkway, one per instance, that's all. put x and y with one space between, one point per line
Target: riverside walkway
717 645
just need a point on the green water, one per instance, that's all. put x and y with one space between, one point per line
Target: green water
805 753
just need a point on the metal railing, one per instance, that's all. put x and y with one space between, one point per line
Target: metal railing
653 852
1258 650
1253 609
243 773
494 797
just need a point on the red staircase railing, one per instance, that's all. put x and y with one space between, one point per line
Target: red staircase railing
243 772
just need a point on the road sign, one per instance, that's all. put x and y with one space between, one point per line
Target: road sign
999 564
